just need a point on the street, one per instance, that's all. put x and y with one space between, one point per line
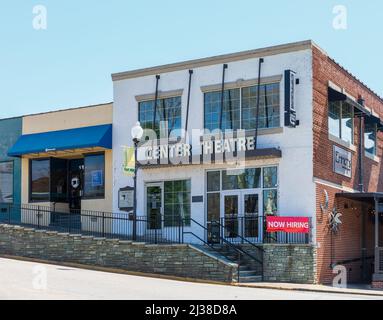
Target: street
30 281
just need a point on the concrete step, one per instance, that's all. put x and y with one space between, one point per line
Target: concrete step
250 279
248 273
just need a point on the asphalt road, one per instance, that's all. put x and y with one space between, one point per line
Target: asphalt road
29 281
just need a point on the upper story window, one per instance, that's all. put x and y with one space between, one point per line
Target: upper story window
239 108
168 111
370 138
341 120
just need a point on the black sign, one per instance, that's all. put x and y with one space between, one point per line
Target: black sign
290 113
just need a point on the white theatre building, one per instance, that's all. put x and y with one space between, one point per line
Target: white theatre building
270 180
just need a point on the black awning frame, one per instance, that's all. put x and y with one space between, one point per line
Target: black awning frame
359 110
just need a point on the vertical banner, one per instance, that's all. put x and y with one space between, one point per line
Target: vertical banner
129 161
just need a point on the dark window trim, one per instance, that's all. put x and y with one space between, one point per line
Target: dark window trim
85 197
160 99
340 136
376 141
30 200
13 178
240 106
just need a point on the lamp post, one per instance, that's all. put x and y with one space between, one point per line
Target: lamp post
137 133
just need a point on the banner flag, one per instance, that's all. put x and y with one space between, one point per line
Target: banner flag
129 161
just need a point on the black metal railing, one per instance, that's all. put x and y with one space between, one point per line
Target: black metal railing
252 230
94 223
235 230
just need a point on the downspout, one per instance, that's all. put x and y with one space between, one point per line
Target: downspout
258 101
155 102
188 102
361 146
222 94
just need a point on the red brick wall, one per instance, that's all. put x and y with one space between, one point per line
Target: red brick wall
347 242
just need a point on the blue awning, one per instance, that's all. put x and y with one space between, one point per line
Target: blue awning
87 137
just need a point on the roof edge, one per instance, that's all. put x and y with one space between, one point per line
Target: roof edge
225 58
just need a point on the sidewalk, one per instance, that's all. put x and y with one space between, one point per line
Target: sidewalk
352 289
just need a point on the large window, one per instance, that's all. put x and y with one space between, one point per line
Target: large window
168 111
40 180
49 180
239 108
265 179
6 182
370 138
341 120
94 186
177 202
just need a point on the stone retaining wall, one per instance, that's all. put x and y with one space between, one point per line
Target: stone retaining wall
281 262
175 260
289 263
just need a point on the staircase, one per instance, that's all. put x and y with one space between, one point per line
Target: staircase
249 269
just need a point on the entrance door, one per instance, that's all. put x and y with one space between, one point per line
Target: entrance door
230 207
154 205
250 216
76 177
240 212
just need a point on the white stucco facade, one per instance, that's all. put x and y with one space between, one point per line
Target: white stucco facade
296 189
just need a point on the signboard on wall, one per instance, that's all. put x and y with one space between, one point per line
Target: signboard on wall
288 224
290 112
126 199
342 161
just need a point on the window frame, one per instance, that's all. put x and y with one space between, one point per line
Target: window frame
13 179
30 200
375 141
84 196
340 135
240 88
158 101
261 188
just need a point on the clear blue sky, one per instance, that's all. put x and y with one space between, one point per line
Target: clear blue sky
70 63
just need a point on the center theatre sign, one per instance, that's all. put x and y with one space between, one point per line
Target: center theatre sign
227 149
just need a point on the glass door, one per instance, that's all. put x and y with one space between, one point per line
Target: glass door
241 211
250 216
154 205
230 207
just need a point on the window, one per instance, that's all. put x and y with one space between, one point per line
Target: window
59 178
265 179
40 180
94 174
241 179
6 182
231 110
370 138
177 202
239 108
341 120
168 110
268 107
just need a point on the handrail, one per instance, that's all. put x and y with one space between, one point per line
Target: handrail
209 245
229 243
352 260
243 239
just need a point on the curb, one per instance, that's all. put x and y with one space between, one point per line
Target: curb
277 287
